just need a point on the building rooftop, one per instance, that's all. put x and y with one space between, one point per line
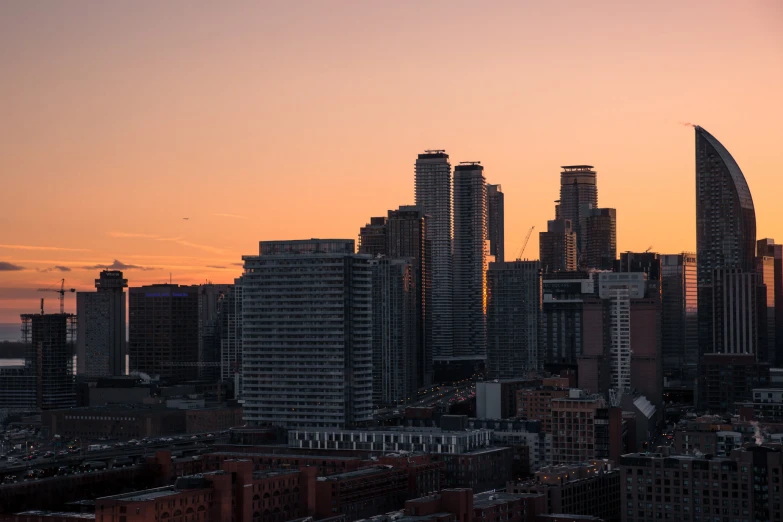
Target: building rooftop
249 453
145 495
53 514
375 470
485 500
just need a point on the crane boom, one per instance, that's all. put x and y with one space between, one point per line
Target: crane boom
62 290
524 243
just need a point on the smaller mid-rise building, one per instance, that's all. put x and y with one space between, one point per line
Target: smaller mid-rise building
428 440
536 403
588 489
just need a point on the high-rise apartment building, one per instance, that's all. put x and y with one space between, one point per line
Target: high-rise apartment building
210 300
163 331
471 251
496 222
101 347
51 340
395 331
679 316
767 247
372 237
513 316
725 233
433 197
599 238
230 318
578 190
406 239
307 334
557 246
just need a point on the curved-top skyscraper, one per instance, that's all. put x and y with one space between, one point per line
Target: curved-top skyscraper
725 243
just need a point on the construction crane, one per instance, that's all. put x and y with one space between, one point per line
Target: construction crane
60 291
648 249
524 243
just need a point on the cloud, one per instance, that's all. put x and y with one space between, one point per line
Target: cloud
117 265
238 264
215 266
180 240
236 216
32 247
58 268
687 124
5 266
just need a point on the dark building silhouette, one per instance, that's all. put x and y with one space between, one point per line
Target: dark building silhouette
679 316
772 278
210 332
513 316
163 331
101 347
578 190
406 239
562 322
51 347
557 247
372 237
496 222
470 261
599 242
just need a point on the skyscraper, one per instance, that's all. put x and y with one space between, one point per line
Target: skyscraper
725 231
562 324
557 247
496 222
51 338
679 316
470 261
406 239
163 331
307 334
101 348
725 254
578 188
372 237
599 238
433 197
513 316
395 331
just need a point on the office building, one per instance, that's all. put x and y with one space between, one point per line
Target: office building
513 317
395 331
372 237
101 348
51 339
725 252
433 197
743 486
580 428
307 334
210 303
163 328
470 261
496 222
562 321
230 316
578 191
599 238
557 247
768 248
679 316
648 263
406 239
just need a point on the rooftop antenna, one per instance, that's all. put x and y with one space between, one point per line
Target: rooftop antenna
42 311
169 277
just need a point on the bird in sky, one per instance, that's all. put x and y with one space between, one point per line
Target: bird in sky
185 219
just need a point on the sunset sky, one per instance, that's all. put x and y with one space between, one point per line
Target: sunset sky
266 120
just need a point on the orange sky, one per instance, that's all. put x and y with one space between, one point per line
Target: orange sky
278 120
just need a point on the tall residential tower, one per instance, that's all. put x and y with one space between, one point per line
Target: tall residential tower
101 348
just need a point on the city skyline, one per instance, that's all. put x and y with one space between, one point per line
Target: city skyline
206 157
